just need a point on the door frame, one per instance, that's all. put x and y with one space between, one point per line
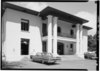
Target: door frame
21 48
62 48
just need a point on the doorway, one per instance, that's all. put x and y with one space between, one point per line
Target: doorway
44 48
60 48
71 49
24 46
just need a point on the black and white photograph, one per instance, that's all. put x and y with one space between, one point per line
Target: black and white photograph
49 35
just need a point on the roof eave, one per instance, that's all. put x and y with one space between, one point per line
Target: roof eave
52 11
19 8
87 27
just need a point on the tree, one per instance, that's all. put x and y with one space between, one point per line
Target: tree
92 42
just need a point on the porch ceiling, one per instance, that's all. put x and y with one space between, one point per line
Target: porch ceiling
62 15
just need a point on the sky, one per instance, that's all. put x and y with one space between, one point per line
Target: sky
86 10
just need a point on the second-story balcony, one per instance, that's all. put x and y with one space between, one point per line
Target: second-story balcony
66 35
62 35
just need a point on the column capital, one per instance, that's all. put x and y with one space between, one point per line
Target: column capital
81 26
49 16
55 17
77 24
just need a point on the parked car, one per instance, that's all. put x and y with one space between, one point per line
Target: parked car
90 55
45 57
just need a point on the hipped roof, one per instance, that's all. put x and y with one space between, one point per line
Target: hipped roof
49 11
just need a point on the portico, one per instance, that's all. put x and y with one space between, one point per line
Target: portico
52 36
53 17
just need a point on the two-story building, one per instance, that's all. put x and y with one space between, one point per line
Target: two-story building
26 32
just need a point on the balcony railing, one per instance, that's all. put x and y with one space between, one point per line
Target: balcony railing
62 35
66 35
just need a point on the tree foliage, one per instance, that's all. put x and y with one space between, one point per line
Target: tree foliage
92 42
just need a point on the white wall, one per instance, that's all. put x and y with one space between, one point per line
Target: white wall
14 34
67 47
85 41
66 27
4 20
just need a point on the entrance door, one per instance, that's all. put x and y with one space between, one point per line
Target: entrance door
24 46
44 49
60 48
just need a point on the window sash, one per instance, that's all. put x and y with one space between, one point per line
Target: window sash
24 25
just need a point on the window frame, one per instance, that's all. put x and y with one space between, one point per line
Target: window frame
72 32
44 31
24 28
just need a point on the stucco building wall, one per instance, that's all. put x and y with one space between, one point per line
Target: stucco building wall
14 34
66 27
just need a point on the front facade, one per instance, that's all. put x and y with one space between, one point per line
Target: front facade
25 34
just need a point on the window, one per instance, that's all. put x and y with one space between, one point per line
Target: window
44 29
72 32
71 46
59 30
24 25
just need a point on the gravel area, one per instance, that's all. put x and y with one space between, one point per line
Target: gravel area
68 64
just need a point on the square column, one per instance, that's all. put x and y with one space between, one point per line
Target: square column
55 36
78 39
49 39
81 36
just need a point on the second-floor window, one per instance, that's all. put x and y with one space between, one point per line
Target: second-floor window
24 25
71 32
58 29
44 29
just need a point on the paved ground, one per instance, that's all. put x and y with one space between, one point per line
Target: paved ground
68 64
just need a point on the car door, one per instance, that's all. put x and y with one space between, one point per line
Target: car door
39 57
